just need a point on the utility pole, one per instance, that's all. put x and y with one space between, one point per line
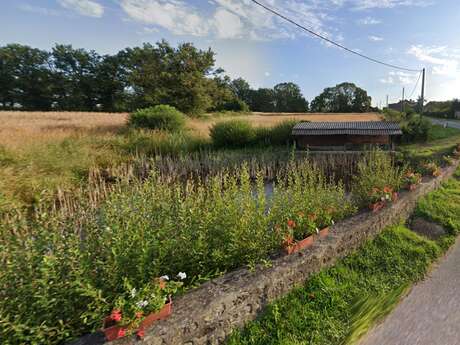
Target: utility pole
402 102
387 101
422 100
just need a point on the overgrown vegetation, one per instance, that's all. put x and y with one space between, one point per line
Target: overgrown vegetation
62 273
376 173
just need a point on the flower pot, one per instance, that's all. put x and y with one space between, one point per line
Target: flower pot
297 246
323 233
377 206
162 314
113 331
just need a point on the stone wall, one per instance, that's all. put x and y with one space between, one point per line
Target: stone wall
208 314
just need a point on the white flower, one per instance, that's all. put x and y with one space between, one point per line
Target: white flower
181 275
332 221
142 304
317 230
133 292
165 277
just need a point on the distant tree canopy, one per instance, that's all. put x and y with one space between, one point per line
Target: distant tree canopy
342 98
184 77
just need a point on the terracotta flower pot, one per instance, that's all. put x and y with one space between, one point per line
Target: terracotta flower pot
377 206
297 246
162 314
323 233
113 331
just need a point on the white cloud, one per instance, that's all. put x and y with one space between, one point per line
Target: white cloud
443 70
369 4
38 10
173 15
443 61
375 38
228 25
369 21
228 18
84 7
400 78
267 74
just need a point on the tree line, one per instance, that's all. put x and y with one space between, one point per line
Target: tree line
185 77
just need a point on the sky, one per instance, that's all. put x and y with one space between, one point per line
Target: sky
251 43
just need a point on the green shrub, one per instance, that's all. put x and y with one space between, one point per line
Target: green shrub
375 172
393 115
280 134
162 117
236 105
417 129
232 133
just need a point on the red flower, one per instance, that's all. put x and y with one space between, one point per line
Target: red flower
291 223
121 332
115 315
141 333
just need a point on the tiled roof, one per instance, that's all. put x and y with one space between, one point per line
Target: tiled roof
351 128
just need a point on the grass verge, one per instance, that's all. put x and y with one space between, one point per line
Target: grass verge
341 303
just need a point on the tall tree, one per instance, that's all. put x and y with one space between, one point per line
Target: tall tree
25 77
342 98
289 98
175 76
242 90
263 100
74 76
111 84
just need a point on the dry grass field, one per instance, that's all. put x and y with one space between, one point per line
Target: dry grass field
22 128
19 129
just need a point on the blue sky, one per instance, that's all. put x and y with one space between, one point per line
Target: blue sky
261 48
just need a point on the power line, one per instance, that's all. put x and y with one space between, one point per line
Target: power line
416 84
331 41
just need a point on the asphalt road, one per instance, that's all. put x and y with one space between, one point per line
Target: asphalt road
450 123
429 314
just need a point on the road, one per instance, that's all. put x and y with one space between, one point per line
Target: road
429 314
450 123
